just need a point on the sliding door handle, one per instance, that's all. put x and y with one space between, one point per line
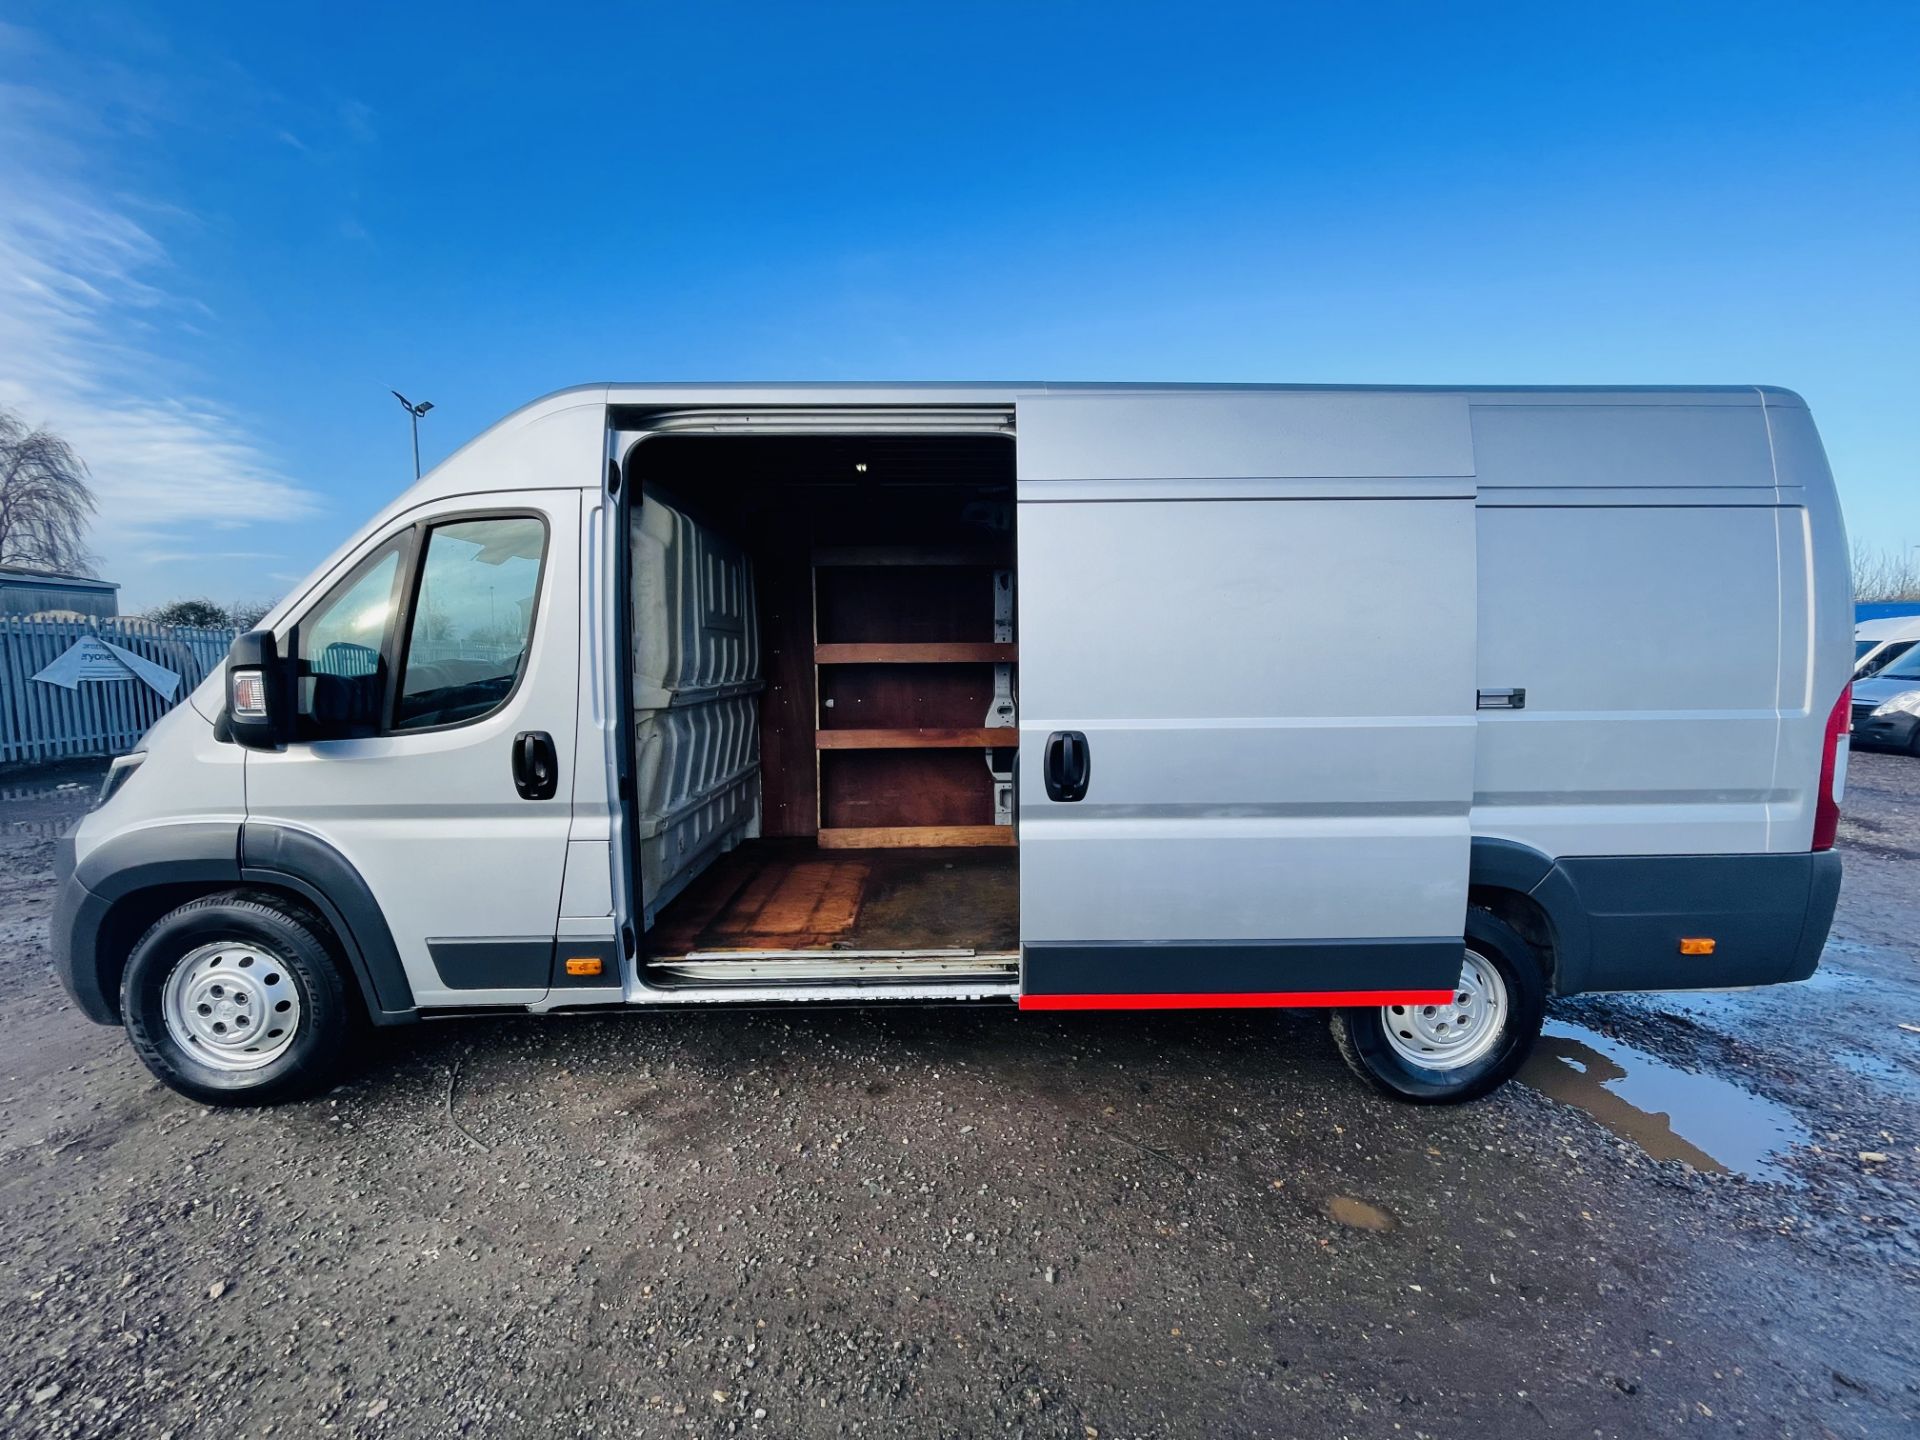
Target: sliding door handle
1069 766
536 765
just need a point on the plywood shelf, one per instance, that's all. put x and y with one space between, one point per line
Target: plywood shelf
898 837
928 653
986 557
924 738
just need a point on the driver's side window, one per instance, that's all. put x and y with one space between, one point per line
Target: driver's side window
448 606
472 620
343 645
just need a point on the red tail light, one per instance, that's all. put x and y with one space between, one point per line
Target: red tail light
1833 773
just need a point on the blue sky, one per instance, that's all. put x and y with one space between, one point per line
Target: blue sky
226 230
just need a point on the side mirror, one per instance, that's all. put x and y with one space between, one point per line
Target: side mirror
261 694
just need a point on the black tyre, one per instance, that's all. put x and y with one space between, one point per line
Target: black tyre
1447 1054
235 999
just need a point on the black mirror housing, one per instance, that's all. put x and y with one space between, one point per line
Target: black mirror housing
261 693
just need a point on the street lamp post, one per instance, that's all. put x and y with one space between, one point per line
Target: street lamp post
416 411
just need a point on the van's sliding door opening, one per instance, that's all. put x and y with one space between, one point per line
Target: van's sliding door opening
826 665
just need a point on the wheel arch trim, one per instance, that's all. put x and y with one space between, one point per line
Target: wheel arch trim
153 855
1500 864
210 854
91 906
302 862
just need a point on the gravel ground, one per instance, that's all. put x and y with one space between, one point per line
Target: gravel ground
953 1222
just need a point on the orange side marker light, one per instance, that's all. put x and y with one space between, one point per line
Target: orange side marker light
1696 945
590 964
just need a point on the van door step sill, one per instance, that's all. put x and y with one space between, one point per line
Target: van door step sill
807 966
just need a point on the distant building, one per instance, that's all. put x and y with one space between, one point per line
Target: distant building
1884 609
41 592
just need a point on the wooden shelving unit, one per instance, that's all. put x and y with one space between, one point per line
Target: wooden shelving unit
897 837
976 652
921 739
905 786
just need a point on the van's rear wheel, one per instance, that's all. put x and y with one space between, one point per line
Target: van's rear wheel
1444 1054
236 1000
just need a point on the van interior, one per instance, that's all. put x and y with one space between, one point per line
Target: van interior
825 707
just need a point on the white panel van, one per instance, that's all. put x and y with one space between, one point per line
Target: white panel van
1418 705
1878 643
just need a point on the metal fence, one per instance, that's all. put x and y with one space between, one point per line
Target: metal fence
104 713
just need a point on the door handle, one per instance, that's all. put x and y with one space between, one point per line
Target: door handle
1069 766
536 765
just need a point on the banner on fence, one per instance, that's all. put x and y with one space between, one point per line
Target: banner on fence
78 687
92 661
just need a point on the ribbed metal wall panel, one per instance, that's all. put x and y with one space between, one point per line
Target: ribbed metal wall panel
697 678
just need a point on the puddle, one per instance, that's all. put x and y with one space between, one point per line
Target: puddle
1707 1004
44 803
1886 1072
1670 1113
1840 945
1358 1214
45 812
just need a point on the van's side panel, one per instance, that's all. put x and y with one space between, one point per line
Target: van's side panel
1141 438
1274 677
1647 640
1671 594
1817 648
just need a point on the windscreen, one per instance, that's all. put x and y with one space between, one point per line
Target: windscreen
1907 667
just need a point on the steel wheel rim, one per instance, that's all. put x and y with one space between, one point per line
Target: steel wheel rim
1459 1033
232 1006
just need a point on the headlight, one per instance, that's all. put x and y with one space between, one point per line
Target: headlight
118 773
1907 704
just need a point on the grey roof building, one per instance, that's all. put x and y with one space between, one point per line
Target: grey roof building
36 592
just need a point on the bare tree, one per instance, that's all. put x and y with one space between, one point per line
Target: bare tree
1885 574
46 503
247 614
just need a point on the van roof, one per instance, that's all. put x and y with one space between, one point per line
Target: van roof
859 392
515 449
648 395
1893 627
675 394
814 394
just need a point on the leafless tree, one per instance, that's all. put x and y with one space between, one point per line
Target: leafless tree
1885 574
46 503
246 614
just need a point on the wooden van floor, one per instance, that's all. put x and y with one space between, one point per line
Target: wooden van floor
791 895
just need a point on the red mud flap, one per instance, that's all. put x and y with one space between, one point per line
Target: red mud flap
1239 974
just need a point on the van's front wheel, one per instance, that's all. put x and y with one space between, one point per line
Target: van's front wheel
1445 1054
234 1000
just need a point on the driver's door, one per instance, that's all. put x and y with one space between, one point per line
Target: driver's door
437 707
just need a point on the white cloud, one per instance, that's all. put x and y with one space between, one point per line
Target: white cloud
87 294
356 118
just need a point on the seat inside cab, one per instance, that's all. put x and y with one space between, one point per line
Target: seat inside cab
825 705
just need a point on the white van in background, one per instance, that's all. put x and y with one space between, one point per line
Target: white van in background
1418 705
1878 643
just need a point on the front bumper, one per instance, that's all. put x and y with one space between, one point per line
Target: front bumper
73 934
